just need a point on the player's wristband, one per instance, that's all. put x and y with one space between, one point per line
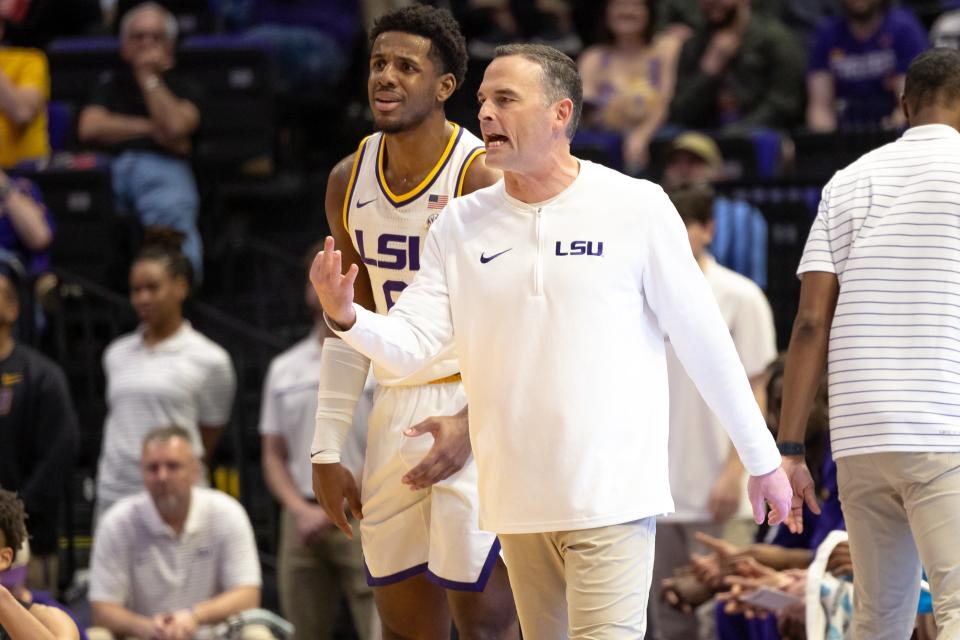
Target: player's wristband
791 448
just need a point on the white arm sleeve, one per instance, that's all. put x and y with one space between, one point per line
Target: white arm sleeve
418 327
343 373
687 312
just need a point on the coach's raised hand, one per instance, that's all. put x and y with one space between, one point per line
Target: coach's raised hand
333 287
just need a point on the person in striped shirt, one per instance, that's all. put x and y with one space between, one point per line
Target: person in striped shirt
878 305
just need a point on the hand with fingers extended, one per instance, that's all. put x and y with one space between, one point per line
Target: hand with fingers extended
773 487
710 568
741 586
801 483
333 485
771 555
754 577
684 592
334 288
450 450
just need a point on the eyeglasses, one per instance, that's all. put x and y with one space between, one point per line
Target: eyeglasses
141 36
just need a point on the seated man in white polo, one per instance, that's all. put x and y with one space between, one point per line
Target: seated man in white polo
175 558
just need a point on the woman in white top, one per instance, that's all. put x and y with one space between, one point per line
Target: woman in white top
164 373
628 78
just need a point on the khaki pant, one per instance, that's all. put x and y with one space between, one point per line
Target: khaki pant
590 584
311 579
902 509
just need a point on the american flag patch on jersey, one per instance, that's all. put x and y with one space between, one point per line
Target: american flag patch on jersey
437 201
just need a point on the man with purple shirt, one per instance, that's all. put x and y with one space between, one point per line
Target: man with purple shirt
26 227
858 63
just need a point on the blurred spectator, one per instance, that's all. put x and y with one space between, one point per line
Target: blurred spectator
147 115
715 495
21 617
547 22
175 558
628 79
945 31
38 438
858 64
739 229
26 227
312 41
802 16
14 579
193 16
164 373
317 565
34 23
740 69
24 91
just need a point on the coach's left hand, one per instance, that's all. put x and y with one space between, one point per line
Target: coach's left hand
773 487
450 450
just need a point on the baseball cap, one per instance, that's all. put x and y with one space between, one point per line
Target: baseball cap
700 145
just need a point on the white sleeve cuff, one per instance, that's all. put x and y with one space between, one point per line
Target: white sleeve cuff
343 373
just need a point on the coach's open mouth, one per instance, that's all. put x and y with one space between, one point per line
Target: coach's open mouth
493 140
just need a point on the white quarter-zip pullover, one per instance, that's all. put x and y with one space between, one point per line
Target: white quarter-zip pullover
558 312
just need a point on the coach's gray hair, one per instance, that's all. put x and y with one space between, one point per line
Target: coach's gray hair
169 20
163 434
558 73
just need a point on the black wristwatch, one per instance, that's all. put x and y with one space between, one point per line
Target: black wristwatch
791 448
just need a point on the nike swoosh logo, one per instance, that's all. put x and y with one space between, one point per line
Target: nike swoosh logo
361 205
485 259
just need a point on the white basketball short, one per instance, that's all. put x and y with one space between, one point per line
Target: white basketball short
433 531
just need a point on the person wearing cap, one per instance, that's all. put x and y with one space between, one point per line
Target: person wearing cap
713 500
20 617
739 229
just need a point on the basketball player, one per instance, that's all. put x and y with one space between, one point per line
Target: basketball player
426 558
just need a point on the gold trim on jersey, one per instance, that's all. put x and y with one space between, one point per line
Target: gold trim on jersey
453 377
466 167
352 183
417 191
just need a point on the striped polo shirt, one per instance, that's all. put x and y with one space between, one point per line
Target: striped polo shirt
889 227
142 564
